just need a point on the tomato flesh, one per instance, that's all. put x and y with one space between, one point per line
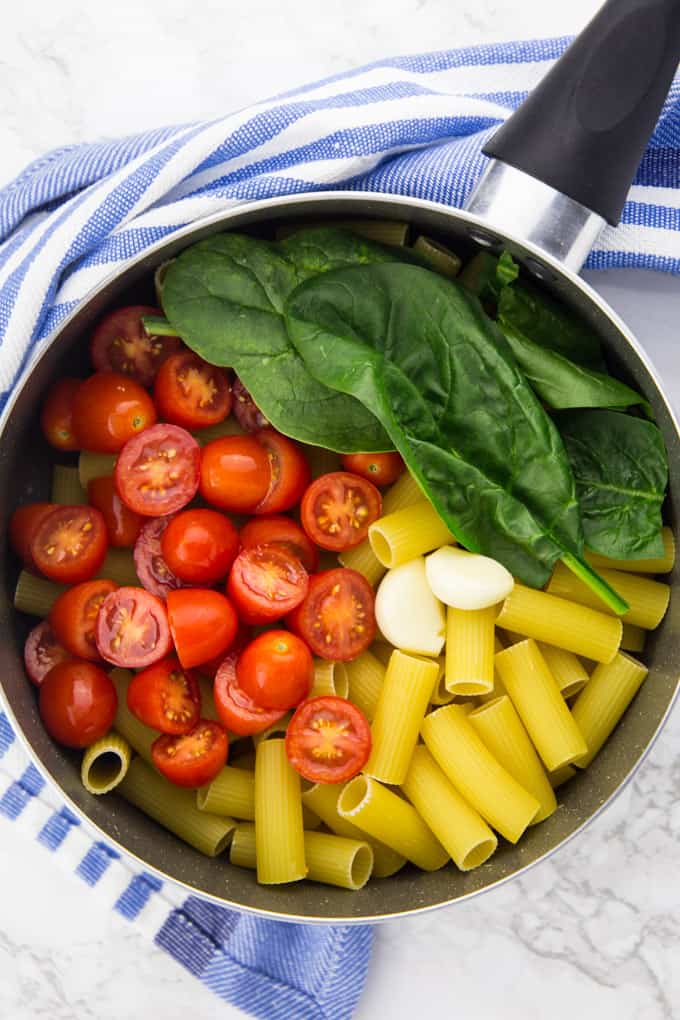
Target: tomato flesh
157 472
42 651
190 392
328 740
200 546
265 583
22 527
288 470
238 712
203 624
193 759
165 697
108 409
379 468
122 524
121 344
279 530
132 628
73 617
152 570
235 473
337 618
56 418
69 544
276 670
338 508
77 703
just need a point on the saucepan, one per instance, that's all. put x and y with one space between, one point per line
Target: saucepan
560 170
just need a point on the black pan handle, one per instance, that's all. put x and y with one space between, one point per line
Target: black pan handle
584 128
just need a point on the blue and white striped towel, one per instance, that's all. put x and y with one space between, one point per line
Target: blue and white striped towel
409 126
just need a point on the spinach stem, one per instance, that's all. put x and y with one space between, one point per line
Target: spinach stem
596 583
155 325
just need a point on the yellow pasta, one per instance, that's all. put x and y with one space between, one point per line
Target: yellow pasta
566 668
386 817
66 487
647 599
330 678
105 764
119 566
277 729
443 260
560 776
95 465
600 706
459 828
208 710
278 816
440 695
382 650
322 798
633 638
660 565
362 559
332 860
405 534
35 595
232 792
501 729
365 675
400 711
540 706
138 736
476 774
559 622
404 492
470 650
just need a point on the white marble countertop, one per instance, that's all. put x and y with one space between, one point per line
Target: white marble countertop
594 932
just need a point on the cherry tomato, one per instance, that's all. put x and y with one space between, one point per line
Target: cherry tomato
69 544
239 713
190 392
57 414
42 651
73 617
276 530
289 472
379 468
203 624
244 635
22 528
165 697
265 583
77 703
152 570
199 546
235 473
328 740
109 408
132 628
122 524
193 759
338 508
120 344
246 411
158 472
337 618
276 670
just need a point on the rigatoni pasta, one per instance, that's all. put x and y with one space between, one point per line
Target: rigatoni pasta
407 533
566 668
278 816
362 559
601 704
138 736
633 638
232 792
330 678
469 650
404 492
658 565
105 764
647 599
366 676
66 487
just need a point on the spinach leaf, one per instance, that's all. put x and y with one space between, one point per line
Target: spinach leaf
419 352
621 472
224 296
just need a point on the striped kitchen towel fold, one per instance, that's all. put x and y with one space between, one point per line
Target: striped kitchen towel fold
411 126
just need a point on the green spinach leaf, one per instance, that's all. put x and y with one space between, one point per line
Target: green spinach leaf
621 471
419 352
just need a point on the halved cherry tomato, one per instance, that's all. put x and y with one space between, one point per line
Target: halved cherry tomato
108 409
73 617
265 583
276 670
122 524
121 344
132 628
22 528
77 703
203 624
246 411
328 740
42 651
289 472
69 544
158 472
278 530
379 468
193 759
190 392
235 473
56 417
239 713
338 508
199 546
244 635
152 570
165 697
337 618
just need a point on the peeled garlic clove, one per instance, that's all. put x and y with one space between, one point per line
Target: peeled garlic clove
407 613
467 580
